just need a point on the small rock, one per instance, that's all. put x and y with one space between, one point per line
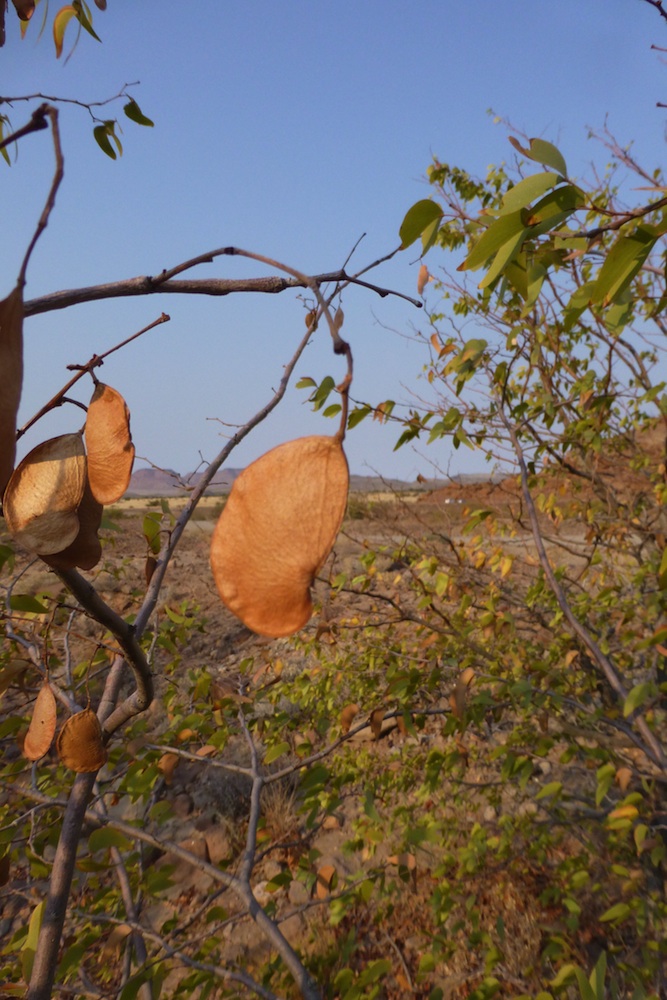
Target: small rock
182 805
272 868
218 844
298 894
261 893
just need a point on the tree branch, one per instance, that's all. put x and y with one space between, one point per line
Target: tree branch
151 285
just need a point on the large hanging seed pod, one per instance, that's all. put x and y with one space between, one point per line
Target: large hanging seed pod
42 726
276 530
80 743
85 551
108 444
11 379
43 495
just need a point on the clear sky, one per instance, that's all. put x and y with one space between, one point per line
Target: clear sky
289 129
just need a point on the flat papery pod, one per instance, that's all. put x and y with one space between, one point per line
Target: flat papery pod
86 550
276 530
41 500
11 379
42 726
80 743
108 444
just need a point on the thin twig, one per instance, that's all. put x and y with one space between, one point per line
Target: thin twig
95 362
52 114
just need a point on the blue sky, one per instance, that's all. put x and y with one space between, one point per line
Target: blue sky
289 129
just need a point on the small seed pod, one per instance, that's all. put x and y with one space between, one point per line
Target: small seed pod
108 444
80 743
43 494
42 726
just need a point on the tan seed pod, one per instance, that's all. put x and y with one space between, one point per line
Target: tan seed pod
80 743
43 494
42 726
108 444
11 379
85 551
276 530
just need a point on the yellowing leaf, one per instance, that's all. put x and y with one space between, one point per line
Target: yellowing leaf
42 727
326 881
624 812
60 22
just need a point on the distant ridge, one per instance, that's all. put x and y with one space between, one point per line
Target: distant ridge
168 483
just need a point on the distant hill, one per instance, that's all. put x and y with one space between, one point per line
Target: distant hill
168 483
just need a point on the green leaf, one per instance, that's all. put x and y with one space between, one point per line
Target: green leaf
598 976
492 239
523 193
135 114
29 946
358 414
585 989
27 603
429 235
332 411
274 752
473 350
322 393
306 383
102 139
83 17
617 913
624 261
151 530
280 881
422 215
542 152
503 257
637 696
662 572
552 210
563 976
553 788
374 971
131 989
104 838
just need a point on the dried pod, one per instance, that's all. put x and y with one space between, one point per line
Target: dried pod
42 726
24 8
276 530
11 379
80 742
108 444
43 495
85 551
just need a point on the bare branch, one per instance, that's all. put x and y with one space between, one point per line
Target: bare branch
95 362
38 118
163 282
658 6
